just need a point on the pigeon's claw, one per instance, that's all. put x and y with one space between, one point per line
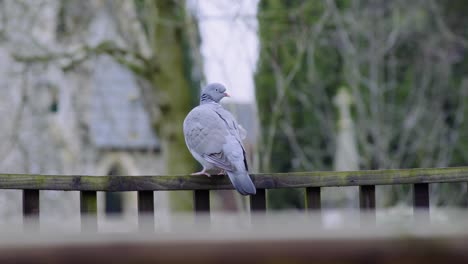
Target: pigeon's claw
202 172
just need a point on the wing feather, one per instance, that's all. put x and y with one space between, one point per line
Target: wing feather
213 133
220 160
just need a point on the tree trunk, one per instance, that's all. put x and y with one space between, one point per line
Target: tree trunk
171 84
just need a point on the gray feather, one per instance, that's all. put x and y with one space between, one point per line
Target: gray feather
242 182
215 139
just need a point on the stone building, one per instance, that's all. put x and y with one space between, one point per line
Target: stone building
85 121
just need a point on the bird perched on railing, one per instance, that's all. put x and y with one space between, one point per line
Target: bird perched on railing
214 138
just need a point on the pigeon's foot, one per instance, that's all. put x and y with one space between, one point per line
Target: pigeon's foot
202 172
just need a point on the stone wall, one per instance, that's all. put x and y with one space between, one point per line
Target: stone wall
47 112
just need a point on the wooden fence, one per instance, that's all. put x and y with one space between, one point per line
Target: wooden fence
253 246
201 186
271 251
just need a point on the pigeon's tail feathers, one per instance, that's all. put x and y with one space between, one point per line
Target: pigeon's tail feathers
242 182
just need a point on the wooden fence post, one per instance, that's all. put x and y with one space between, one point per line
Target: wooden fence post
88 205
31 210
201 201
421 202
313 199
258 201
146 210
367 202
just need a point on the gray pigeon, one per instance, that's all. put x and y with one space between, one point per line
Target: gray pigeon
215 139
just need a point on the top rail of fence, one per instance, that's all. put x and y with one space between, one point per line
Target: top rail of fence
261 180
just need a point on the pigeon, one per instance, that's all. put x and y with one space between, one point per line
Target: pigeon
215 138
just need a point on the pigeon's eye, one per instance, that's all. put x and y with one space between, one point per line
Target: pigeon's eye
216 89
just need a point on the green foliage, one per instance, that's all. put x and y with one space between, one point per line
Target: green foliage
284 75
285 198
405 64
285 90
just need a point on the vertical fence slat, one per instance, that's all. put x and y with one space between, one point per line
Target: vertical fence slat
258 201
421 195
201 201
88 206
31 209
367 202
367 197
313 200
421 201
201 205
258 205
146 210
314 203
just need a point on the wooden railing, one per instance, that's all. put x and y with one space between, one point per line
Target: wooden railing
201 186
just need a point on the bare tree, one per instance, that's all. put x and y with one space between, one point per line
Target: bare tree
397 58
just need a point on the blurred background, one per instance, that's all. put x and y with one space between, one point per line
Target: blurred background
101 87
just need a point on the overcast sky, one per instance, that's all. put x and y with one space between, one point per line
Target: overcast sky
229 44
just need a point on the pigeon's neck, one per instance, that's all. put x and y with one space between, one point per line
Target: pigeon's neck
206 98
209 103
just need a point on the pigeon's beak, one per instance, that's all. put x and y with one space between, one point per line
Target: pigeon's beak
227 95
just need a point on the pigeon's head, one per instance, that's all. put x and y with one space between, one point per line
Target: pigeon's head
213 92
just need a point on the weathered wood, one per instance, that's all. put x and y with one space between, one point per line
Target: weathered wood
262 181
258 201
31 209
421 201
146 210
300 251
421 195
313 200
31 203
367 203
88 205
367 197
201 201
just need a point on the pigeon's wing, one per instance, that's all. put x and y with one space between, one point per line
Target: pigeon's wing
231 124
242 132
220 160
206 134
237 132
